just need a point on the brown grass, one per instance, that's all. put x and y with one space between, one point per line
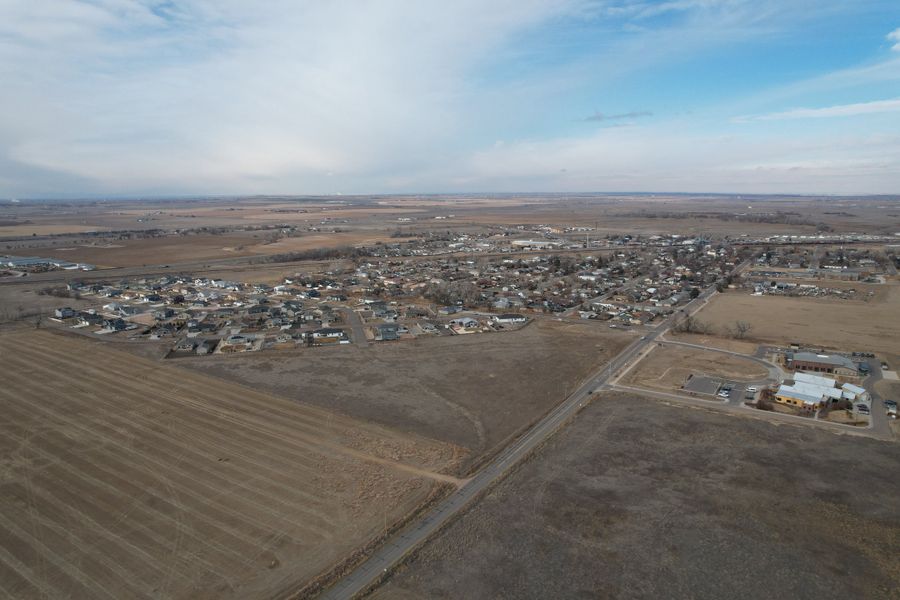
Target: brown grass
838 324
668 367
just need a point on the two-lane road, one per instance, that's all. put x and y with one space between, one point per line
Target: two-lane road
408 538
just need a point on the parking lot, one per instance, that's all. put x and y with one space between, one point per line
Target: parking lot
722 389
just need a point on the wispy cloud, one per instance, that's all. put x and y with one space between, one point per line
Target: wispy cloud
599 117
840 110
894 37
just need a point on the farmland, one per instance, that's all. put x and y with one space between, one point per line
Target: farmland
123 478
641 499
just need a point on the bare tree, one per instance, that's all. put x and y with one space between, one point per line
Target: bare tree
740 329
691 324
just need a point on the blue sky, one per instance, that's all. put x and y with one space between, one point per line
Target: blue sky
136 97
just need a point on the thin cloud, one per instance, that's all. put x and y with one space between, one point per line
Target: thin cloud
894 37
599 117
840 110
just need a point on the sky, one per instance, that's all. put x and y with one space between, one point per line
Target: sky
104 98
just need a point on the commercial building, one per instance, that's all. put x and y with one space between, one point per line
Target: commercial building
815 391
822 363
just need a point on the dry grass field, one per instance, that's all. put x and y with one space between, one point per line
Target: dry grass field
668 367
172 249
474 391
730 344
639 499
126 478
838 324
181 249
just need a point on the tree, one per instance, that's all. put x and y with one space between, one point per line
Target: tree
691 324
740 329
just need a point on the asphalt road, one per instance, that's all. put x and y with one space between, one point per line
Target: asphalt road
404 541
356 324
878 418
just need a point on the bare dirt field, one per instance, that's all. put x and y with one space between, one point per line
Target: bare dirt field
127 478
640 499
668 367
838 324
474 391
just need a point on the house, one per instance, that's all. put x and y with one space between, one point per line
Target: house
185 346
465 322
236 343
328 333
64 313
89 318
114 324
385 332
510 319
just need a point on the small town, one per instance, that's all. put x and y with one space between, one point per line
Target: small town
555 299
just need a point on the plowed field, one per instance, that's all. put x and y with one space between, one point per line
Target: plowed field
124 478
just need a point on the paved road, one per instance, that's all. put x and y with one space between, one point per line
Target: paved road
356 324
401 543
879 420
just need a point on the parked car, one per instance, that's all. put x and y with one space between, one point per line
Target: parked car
751 388
862 409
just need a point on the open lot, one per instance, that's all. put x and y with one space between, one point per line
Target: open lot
124 478
640 499
668 367
474 391
840 324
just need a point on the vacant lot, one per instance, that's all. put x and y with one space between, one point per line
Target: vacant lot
473 391
639 499
124 478
839 324
668 367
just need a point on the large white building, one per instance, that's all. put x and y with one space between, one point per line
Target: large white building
815 391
